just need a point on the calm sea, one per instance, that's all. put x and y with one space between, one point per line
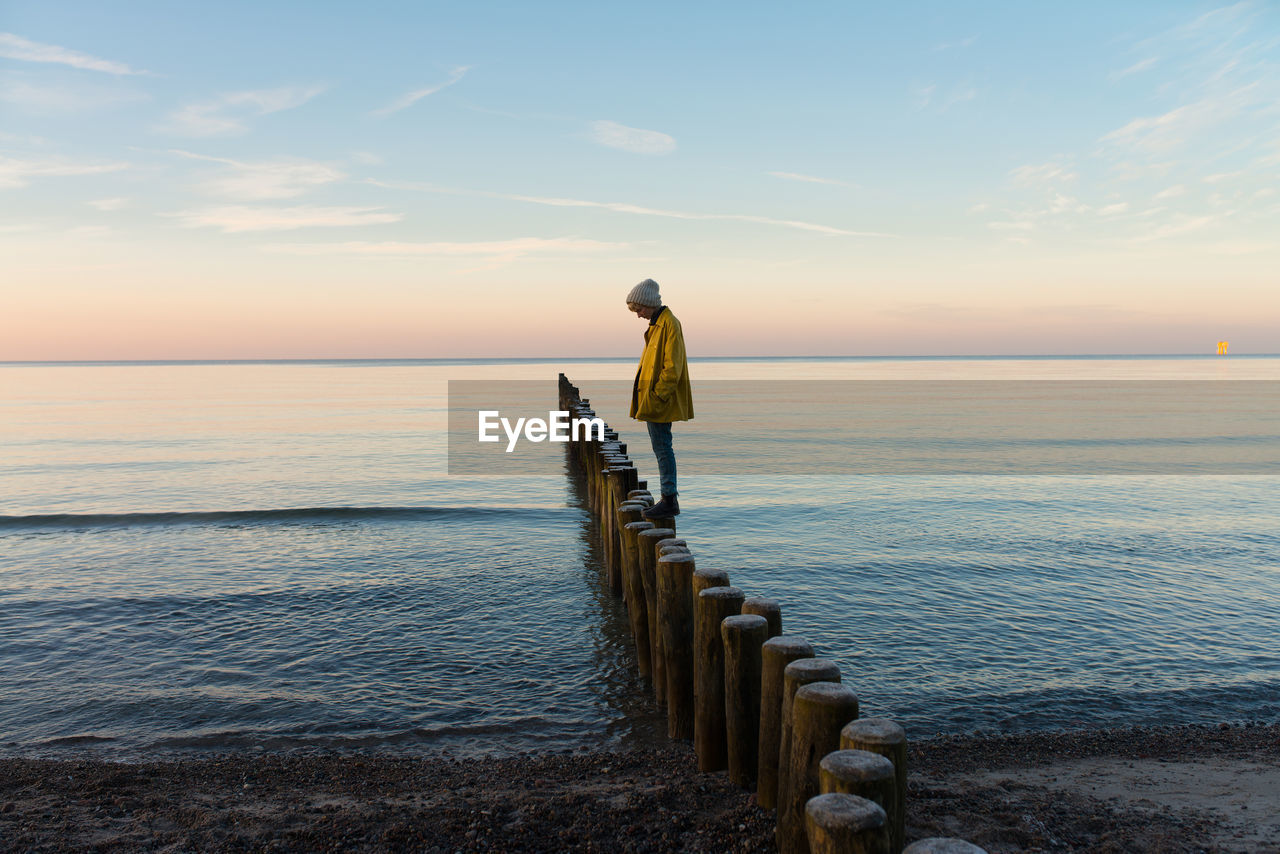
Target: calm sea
272 556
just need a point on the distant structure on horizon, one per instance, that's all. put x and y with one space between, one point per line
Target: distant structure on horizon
1222 347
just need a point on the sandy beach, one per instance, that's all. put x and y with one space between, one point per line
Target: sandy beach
1175 789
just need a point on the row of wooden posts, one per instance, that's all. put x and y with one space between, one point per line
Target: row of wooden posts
755 702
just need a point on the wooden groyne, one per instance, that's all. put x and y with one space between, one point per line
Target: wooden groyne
756 703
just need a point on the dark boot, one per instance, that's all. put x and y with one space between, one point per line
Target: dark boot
668 506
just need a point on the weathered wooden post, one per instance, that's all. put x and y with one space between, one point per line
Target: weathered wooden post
857 772
705 578
940 845
628 512
648 560
637 602
767 608
818 712
883 736
802 671
675 616
742 636
845 824
775 655
618 479
673 544
711 607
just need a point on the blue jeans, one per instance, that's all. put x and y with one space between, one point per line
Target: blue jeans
660 436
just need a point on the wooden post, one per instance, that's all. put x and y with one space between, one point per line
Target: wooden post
775 655
857 772
939 845
666 522
672 541
628 512
648 561
818 712
767 608
618 479
675 618
800 672
742 636
705 578
845 824
637 602
710 609
883 736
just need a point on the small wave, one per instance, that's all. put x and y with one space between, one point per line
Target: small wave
276 517
70 740
528 729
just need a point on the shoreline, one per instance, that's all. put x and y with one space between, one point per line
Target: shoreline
1173 788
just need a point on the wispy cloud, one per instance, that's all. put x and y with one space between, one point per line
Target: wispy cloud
279 179
624 207
810 179
505 248
228 114
942 100
238 218
113 204
1219 177
1171 192
1043 174
16 47
1165 131
1183 225
39 96
1113 209
413 97
634 140
18 173
1139 66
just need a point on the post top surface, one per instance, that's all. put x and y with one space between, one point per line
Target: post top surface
941 845
813 670
788 645
847 812
874 731
744 622
721 593
857 765
826 694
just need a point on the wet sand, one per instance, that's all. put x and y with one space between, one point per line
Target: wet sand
1203 788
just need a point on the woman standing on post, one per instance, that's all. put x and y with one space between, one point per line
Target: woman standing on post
661 393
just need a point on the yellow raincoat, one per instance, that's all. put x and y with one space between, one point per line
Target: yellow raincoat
661 391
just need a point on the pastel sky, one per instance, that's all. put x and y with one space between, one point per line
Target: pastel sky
275 180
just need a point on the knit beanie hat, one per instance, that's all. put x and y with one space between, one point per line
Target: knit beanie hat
645 293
